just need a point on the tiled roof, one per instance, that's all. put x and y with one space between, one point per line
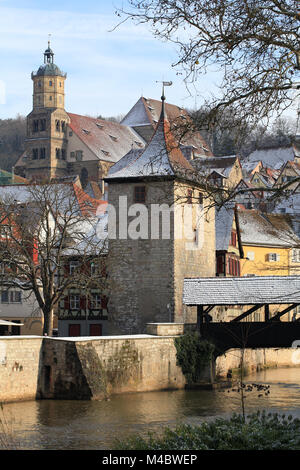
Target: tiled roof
11 178
242 290
93 190
273 157
147 112
261 229
161 157
222 165
25 193
109 141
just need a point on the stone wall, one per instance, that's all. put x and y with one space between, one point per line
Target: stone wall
84 369
20 361
92 368
95 368
254 359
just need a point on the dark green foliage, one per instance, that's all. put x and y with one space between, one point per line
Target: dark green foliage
193 355
12 136
260 431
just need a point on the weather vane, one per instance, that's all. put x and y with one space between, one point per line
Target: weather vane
163 87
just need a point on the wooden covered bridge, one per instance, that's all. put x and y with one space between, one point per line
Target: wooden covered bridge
250 293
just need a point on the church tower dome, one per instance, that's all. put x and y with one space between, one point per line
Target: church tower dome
48 83
49 68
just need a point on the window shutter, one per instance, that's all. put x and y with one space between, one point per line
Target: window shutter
104 302
67 303
82 302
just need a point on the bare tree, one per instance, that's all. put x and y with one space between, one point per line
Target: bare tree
46 226
255 46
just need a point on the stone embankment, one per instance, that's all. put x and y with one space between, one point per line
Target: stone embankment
33 367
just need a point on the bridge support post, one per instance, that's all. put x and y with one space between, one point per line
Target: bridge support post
199 316
267 312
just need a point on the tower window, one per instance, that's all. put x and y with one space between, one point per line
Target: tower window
58 153
140 194
35 126
50 98
57 125
39 83
50 82
43 124
189 196
35 154
60 84
63 125
42 153
63 154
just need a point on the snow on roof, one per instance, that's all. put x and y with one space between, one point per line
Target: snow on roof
146 112
89 237
289 203
275 230
242 290
161 157
273 158
27 193
221 165
223 225
109 141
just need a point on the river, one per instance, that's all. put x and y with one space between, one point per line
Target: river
87 425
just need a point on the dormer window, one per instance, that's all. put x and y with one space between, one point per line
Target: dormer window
100 126
105 152
113 138
86 131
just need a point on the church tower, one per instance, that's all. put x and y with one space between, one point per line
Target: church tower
46 142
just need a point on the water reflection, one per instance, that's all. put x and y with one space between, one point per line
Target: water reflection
53 424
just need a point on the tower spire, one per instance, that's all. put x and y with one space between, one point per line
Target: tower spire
163 98
48 54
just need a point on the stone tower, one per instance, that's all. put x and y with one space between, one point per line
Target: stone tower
46 142
150 253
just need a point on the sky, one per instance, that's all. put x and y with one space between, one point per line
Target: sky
108 69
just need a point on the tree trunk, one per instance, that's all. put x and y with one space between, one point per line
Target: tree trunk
48 322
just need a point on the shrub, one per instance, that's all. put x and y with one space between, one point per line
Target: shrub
193 355
259 431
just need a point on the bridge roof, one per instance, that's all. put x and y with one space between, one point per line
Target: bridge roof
242 290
